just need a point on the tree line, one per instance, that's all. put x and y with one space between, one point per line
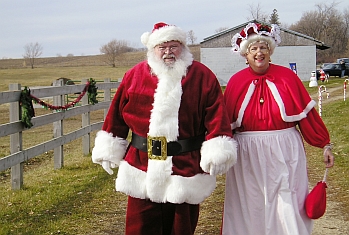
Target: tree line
329 25
324 23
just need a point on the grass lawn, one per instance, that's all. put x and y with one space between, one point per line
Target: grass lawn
80 198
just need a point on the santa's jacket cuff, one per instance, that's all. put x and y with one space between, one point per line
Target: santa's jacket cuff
220 151
108 148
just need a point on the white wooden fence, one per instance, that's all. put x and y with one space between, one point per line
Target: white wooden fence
15 127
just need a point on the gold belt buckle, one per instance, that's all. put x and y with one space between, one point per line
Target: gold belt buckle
163 145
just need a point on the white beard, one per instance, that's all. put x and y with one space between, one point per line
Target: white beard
174 70
167 97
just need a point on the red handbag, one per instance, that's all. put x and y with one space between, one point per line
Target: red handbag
315 203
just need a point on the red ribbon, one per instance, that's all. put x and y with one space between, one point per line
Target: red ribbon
63 107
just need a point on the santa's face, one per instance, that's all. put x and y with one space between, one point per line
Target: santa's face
168 52
258 57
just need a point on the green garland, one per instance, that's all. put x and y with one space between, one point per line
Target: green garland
27 109
92 92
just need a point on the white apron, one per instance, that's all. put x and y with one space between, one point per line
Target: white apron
266 188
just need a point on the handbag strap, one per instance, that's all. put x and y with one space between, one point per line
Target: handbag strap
324 179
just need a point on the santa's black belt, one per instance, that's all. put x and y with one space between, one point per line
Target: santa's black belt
159 149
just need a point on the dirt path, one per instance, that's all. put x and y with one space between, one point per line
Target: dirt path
332 223
331 98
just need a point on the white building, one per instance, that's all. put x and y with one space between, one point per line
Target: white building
295 48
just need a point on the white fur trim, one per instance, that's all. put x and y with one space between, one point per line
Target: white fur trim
281 105
167 98
165 187
158 174
220 153
244 104
108 148
163 34
145 38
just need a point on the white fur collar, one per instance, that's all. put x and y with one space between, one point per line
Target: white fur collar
167 97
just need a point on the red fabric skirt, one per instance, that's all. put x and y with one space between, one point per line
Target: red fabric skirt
145 217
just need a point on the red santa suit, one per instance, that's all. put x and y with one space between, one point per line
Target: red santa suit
177 106
266 188
322 75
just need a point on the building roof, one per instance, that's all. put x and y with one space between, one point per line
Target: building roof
319 45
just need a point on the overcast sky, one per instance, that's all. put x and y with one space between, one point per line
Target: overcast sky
81 27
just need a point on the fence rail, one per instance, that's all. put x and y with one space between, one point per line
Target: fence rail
15 127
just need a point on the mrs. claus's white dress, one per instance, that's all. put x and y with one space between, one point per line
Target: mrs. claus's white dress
266 188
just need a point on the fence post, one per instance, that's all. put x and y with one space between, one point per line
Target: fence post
16 141
106 96
58 129
85 118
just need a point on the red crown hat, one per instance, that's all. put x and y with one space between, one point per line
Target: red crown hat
253 32
161 33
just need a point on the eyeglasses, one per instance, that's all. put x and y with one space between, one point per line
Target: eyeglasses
172 48
262 49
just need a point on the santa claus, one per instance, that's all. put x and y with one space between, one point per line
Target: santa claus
181 136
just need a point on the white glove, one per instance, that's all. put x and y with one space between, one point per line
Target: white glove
218 155
107 165
217 169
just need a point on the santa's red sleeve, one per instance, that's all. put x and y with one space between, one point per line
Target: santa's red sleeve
110 142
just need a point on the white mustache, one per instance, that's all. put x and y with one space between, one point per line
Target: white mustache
168 56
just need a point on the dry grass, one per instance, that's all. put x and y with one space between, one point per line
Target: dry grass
75 68
125 60
46 75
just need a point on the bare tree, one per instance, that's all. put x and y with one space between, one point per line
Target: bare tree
191 37
31 52
328 25
113 49
346 25
256 13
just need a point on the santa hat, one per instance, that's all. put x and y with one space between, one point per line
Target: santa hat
161 33
255 32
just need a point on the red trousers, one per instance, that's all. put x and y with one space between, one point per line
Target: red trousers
144 217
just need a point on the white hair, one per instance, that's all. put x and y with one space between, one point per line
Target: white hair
245 44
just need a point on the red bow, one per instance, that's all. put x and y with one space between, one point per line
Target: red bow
264 77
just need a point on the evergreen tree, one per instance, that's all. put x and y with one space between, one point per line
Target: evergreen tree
274 17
